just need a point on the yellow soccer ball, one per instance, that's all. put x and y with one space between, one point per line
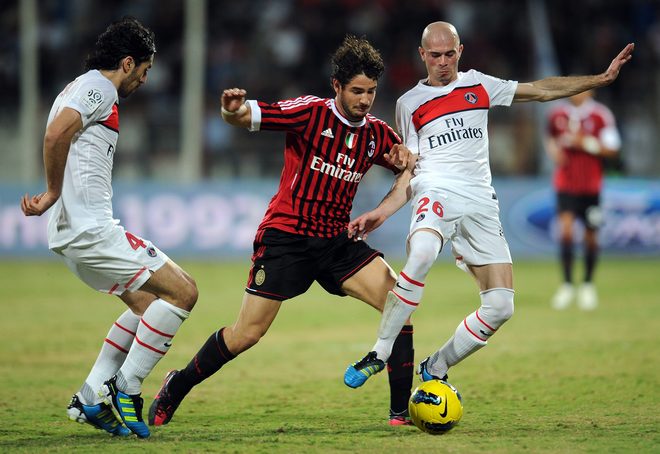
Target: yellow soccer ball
435 407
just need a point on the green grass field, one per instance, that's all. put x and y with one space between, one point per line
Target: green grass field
548 382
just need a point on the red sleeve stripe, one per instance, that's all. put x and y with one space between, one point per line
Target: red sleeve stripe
160 333
149 346
412 281
115 345
112 290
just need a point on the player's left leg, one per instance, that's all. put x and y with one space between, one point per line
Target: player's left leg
112 355
587 296
496 284
372 284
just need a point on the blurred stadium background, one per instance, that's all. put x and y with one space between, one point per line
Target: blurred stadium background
198 188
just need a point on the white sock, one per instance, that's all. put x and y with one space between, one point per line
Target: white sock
395 314
406 295
113 353
157 327
474 331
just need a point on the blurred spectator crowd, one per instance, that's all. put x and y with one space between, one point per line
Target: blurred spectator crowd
278 49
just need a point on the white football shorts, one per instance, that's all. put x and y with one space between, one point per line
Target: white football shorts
469 220
113 260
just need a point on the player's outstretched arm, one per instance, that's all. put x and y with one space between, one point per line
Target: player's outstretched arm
552 88
233 108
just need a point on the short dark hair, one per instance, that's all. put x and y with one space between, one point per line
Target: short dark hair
126 37
356 56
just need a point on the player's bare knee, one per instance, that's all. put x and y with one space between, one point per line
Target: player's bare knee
496 306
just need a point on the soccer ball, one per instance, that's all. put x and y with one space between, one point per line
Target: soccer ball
435 407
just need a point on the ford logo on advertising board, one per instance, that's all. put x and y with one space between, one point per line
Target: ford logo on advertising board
629 219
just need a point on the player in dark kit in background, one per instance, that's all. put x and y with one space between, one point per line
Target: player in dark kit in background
582 132
330 145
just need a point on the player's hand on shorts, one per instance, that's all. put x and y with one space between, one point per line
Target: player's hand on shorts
399 156
360 227
37 204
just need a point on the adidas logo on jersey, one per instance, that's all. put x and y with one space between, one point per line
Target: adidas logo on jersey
328 133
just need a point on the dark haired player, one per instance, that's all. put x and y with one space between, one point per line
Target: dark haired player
79 147
330 145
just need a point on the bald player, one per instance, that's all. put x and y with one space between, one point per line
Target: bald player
443 121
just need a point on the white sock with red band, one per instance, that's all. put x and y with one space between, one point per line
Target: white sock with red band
474 331
111 357
157 327
406 295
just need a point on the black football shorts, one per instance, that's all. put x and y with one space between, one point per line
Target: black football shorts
584 207
284 265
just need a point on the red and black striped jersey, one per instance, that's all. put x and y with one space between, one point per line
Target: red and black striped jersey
581 173
325 158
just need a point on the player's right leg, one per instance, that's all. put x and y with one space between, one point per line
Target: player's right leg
86 405
565 294
402 300
254 319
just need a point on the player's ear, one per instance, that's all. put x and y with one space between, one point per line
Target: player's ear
336 86
127 64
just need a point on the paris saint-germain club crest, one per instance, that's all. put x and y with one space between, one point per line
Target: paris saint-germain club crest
471 97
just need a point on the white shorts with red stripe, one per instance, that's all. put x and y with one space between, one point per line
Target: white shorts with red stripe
468 218
112 261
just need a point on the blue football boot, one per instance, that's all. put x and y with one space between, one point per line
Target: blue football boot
425 375
127 407
99 416
358 373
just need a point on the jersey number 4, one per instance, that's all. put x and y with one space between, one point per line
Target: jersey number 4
134 241
436 207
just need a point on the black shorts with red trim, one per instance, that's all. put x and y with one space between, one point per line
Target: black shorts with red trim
585 207
285 265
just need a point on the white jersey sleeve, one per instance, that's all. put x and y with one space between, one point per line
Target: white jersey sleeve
93 98
500 91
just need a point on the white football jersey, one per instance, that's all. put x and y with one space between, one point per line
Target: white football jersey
447 127
86 200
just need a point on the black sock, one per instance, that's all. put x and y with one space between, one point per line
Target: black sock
567 261
590 259
400 369
209 359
